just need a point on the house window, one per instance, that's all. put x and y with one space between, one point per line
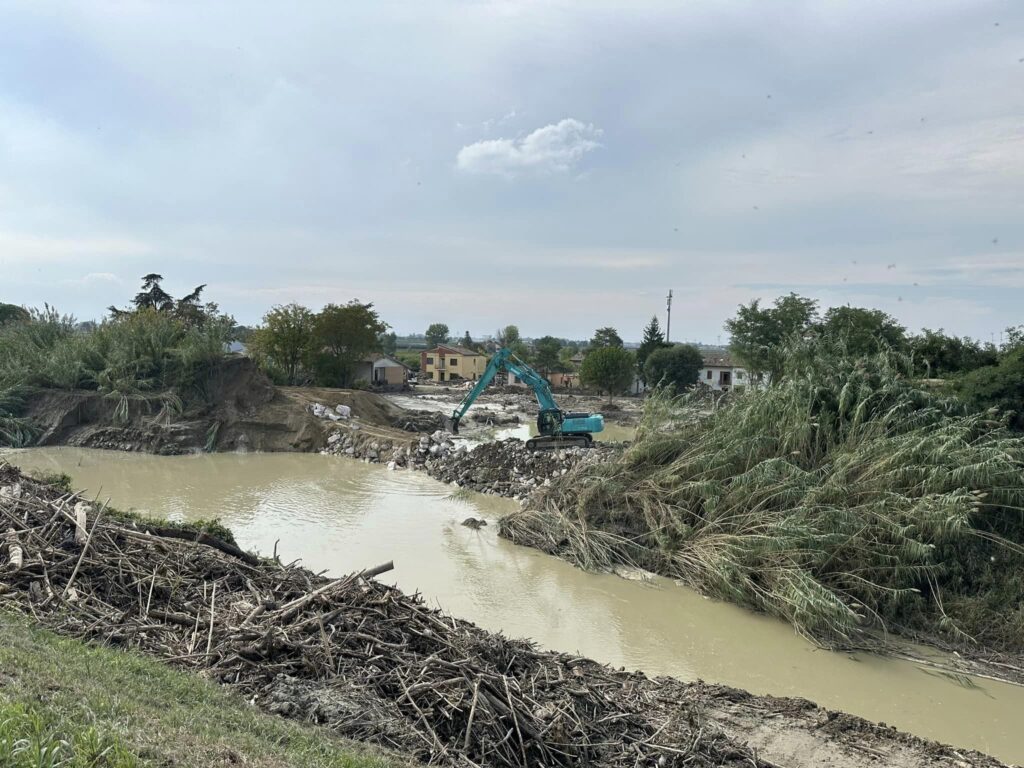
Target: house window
708 376
453 362
739 375
430 361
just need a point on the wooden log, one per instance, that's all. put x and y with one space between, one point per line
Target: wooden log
81 532
369 573
172 617
213 600
85 548
15 554
200 538
288 610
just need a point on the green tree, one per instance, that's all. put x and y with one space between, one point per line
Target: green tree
678 366
467 341
1014 338
863 331
342 337
436 334
605 337
189 310
409 357
565 356
760 334
508 336
653 340
152 296
939 355
388 343
545 354
284 341
10 313
998 386
608 369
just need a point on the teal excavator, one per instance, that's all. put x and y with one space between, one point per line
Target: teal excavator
555 427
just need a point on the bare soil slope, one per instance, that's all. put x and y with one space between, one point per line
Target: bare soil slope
239 409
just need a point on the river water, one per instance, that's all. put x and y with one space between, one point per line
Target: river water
341 515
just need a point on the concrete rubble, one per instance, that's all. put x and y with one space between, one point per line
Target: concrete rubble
502 468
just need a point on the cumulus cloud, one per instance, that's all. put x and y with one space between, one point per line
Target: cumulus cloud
555 148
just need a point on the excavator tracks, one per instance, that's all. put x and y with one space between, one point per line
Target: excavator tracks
552 442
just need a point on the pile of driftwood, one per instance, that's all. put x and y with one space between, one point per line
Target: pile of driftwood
365 659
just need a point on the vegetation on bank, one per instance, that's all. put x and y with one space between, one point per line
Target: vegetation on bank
983 375
842 498
154 357
70 704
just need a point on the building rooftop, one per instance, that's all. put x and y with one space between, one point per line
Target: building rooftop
455 348
721 361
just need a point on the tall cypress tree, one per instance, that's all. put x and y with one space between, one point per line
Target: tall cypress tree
653 339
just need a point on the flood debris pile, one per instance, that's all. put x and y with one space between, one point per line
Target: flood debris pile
842 499
355 655
508 467
501 467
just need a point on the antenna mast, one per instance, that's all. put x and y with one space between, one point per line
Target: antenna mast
668 321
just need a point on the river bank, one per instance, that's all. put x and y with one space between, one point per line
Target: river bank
340 515
239 409
290 639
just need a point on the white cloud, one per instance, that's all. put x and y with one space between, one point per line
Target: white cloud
555 148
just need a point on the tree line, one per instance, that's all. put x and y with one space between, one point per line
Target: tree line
982 375
296 345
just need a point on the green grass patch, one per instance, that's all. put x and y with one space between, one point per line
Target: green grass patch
75 705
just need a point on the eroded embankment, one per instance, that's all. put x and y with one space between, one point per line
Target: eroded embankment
373 663
238 409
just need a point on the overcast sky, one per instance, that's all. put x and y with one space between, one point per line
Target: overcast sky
557 165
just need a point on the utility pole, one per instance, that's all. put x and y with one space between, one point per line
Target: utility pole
668 321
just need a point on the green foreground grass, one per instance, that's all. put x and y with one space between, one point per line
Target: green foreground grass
70 704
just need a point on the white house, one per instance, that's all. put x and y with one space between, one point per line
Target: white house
721 373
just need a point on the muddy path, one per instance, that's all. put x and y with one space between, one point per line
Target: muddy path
370 662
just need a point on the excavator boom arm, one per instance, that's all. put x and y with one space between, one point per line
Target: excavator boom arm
505 358
552 421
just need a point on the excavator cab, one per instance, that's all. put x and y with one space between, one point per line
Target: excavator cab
549 422
557 428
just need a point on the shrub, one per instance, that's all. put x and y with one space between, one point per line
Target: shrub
842 498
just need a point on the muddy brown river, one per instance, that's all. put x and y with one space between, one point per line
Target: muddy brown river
337 514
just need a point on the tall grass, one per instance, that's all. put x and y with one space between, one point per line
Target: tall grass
31 739
843 498
148 360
